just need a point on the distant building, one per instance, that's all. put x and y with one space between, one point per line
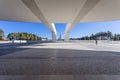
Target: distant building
44 39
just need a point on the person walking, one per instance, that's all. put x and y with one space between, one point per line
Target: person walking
96 42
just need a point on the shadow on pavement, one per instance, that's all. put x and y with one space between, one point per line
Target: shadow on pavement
19 61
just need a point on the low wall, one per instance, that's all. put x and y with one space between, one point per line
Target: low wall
5 42
23 41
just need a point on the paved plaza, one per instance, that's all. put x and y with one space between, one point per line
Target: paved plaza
60 61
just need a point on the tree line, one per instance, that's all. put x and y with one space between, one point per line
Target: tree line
19 36
28 36
1 34
100 36
23 36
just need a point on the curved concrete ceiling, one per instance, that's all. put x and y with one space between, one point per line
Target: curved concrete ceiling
15 10
105 10
59 11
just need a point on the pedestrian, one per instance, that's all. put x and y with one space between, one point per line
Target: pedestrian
96 42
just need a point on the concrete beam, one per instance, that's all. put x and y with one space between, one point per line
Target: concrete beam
89 4
54 33
67 33
67 36
31 4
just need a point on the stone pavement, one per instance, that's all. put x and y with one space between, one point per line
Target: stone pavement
62 61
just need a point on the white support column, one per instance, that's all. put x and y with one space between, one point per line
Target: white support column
67 32
67 36
89 4
31 4
53 36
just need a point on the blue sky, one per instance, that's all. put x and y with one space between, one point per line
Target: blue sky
81 29
84 29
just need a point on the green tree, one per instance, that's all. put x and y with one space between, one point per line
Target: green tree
23 36
1 34
99 36
109 35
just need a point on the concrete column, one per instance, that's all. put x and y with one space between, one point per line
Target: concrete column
53 37
31 4
87 7
67 36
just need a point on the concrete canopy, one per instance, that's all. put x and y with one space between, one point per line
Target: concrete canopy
60 11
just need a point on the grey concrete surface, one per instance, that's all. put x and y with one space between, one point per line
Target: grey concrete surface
62 61
62 77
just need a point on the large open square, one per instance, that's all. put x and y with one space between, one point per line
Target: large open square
59 39
63 61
